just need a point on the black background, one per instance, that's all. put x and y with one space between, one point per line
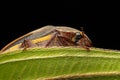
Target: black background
100 23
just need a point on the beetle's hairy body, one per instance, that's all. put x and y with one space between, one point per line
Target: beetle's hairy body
49 36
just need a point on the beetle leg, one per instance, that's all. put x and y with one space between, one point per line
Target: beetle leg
83 43
87 48
25 44
56 32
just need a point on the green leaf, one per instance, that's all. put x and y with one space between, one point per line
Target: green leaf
60 63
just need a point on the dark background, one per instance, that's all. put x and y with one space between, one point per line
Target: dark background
100 24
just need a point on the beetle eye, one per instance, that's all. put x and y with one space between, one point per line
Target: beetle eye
77 37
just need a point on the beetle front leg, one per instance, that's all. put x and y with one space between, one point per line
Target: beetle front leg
83 43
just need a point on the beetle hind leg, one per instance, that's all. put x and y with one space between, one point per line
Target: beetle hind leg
26 44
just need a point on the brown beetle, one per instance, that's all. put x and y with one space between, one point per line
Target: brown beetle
50 36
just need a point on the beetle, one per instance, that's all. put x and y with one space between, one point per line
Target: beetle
50 36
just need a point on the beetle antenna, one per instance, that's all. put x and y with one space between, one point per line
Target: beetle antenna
81 28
